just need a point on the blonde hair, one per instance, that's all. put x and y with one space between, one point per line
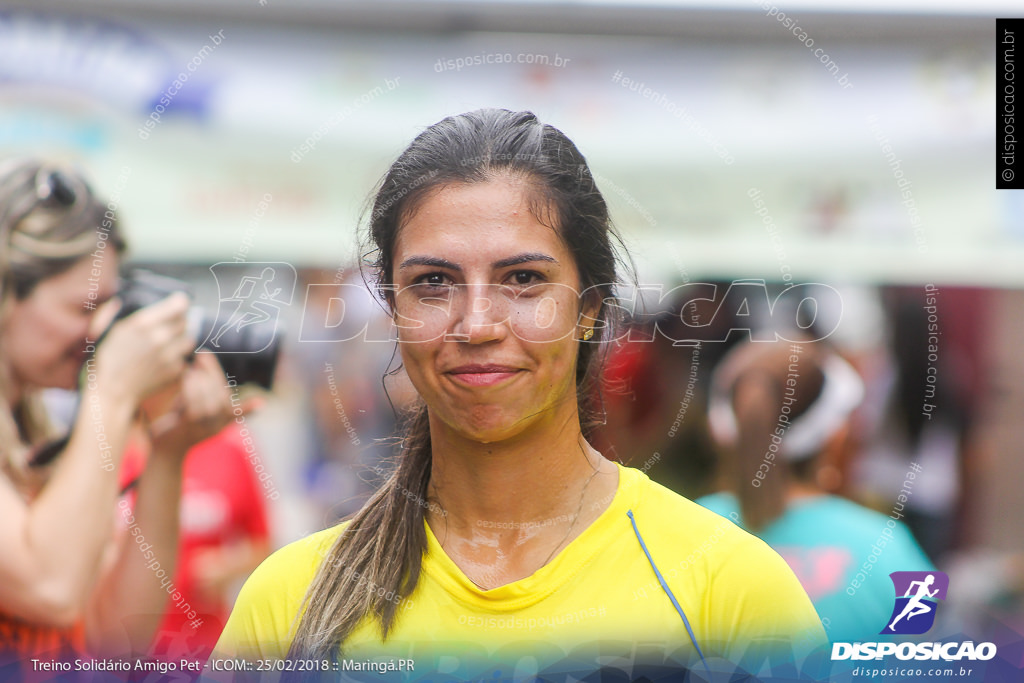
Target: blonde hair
49 220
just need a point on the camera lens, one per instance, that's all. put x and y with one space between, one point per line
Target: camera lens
247 353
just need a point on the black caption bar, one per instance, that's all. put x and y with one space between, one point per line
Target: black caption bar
1009 151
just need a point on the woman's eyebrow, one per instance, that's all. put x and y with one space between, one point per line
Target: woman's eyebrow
432 261
438 262
524 258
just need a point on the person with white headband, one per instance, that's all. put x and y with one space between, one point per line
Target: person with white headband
779 412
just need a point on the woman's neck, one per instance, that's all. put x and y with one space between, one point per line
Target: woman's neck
798 490
524 479
504 509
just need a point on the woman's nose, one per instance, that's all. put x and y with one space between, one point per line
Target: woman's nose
479 314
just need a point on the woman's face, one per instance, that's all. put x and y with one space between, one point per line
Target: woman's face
487 305
43 336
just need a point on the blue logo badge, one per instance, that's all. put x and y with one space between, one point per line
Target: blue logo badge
917 595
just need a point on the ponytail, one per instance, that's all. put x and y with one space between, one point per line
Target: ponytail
758 392
374 565
759 484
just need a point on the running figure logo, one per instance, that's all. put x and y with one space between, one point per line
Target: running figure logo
254 299
917 594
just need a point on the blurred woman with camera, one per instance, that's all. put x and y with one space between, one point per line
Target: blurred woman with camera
66 585
503 543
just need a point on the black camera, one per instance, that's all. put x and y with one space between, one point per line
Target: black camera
243 337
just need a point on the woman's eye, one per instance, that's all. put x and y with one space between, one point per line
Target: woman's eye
432 279
525 277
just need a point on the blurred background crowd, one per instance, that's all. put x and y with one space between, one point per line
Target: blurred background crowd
855 153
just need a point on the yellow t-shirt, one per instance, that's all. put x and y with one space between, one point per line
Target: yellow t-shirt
598 603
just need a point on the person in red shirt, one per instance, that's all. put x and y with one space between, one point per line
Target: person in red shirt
224 536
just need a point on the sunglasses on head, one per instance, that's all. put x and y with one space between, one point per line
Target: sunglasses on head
53 189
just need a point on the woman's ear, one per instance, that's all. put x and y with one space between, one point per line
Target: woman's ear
387 295
590 311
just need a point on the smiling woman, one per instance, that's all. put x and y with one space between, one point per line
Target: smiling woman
498 358
504 541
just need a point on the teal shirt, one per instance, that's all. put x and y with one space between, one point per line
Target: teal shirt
843 554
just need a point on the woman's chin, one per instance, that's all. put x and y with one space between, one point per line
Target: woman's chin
488 434
65 379
487 428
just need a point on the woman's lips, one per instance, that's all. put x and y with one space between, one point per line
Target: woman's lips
482 375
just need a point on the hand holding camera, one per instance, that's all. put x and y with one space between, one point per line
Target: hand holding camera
145 351
184 393
192 410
